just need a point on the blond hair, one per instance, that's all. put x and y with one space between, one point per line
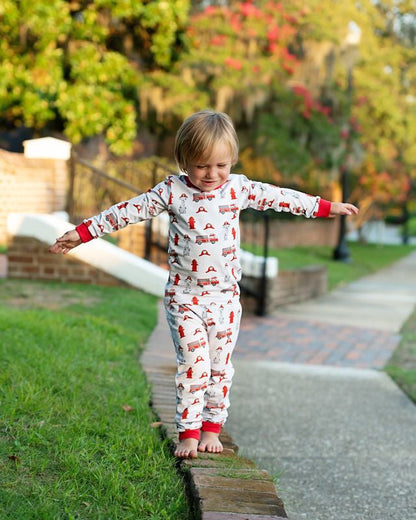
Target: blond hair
198 135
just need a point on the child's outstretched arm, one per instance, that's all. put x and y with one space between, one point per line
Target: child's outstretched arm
342 208
142 207
66 242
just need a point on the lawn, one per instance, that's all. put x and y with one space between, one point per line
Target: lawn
76 436
365 259
402 365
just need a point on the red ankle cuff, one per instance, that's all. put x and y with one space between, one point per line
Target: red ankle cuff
208 426
190 434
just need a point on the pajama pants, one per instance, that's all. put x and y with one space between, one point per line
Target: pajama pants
204 336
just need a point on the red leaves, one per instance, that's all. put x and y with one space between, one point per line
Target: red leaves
384 185
233 63
248 9
309 104
273 33
218 40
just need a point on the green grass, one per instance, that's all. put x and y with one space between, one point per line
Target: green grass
365 259
68 449
402 365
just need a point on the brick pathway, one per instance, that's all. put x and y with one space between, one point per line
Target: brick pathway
286 339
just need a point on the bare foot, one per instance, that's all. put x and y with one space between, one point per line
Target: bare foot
187 449
210 442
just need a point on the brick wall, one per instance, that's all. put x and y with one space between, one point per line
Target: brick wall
292 233
288 287
29 258
30 186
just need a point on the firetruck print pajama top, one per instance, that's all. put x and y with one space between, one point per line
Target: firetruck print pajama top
202 295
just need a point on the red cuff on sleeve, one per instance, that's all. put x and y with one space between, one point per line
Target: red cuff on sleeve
84 233
324 208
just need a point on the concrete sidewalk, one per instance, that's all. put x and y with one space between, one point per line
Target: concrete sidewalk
310 405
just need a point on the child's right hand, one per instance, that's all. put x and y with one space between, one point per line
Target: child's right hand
66 242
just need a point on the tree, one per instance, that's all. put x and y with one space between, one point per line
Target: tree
382 123
76 66
307 103
242 59
234 54
386 111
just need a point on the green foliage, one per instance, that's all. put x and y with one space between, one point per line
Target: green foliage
68 365
299 137
301 92
378 75
401 366
71 65
411 227
234 54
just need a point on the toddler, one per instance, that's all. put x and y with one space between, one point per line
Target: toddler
202 298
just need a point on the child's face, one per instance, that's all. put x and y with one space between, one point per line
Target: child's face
211 173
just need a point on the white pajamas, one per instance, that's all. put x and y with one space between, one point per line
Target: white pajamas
202 294
204 336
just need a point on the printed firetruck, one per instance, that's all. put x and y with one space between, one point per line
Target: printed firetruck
204 239
202 282
196 344
201 196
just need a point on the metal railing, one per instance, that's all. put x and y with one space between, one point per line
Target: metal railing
258 243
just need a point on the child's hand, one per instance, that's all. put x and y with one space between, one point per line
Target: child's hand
343 208
66 242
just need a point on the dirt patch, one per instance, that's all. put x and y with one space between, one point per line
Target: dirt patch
26 294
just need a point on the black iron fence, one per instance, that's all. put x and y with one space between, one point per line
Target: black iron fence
251 222
91 189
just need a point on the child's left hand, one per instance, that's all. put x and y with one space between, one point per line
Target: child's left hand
66 242
342 208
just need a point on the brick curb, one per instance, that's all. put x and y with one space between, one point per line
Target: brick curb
220 487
